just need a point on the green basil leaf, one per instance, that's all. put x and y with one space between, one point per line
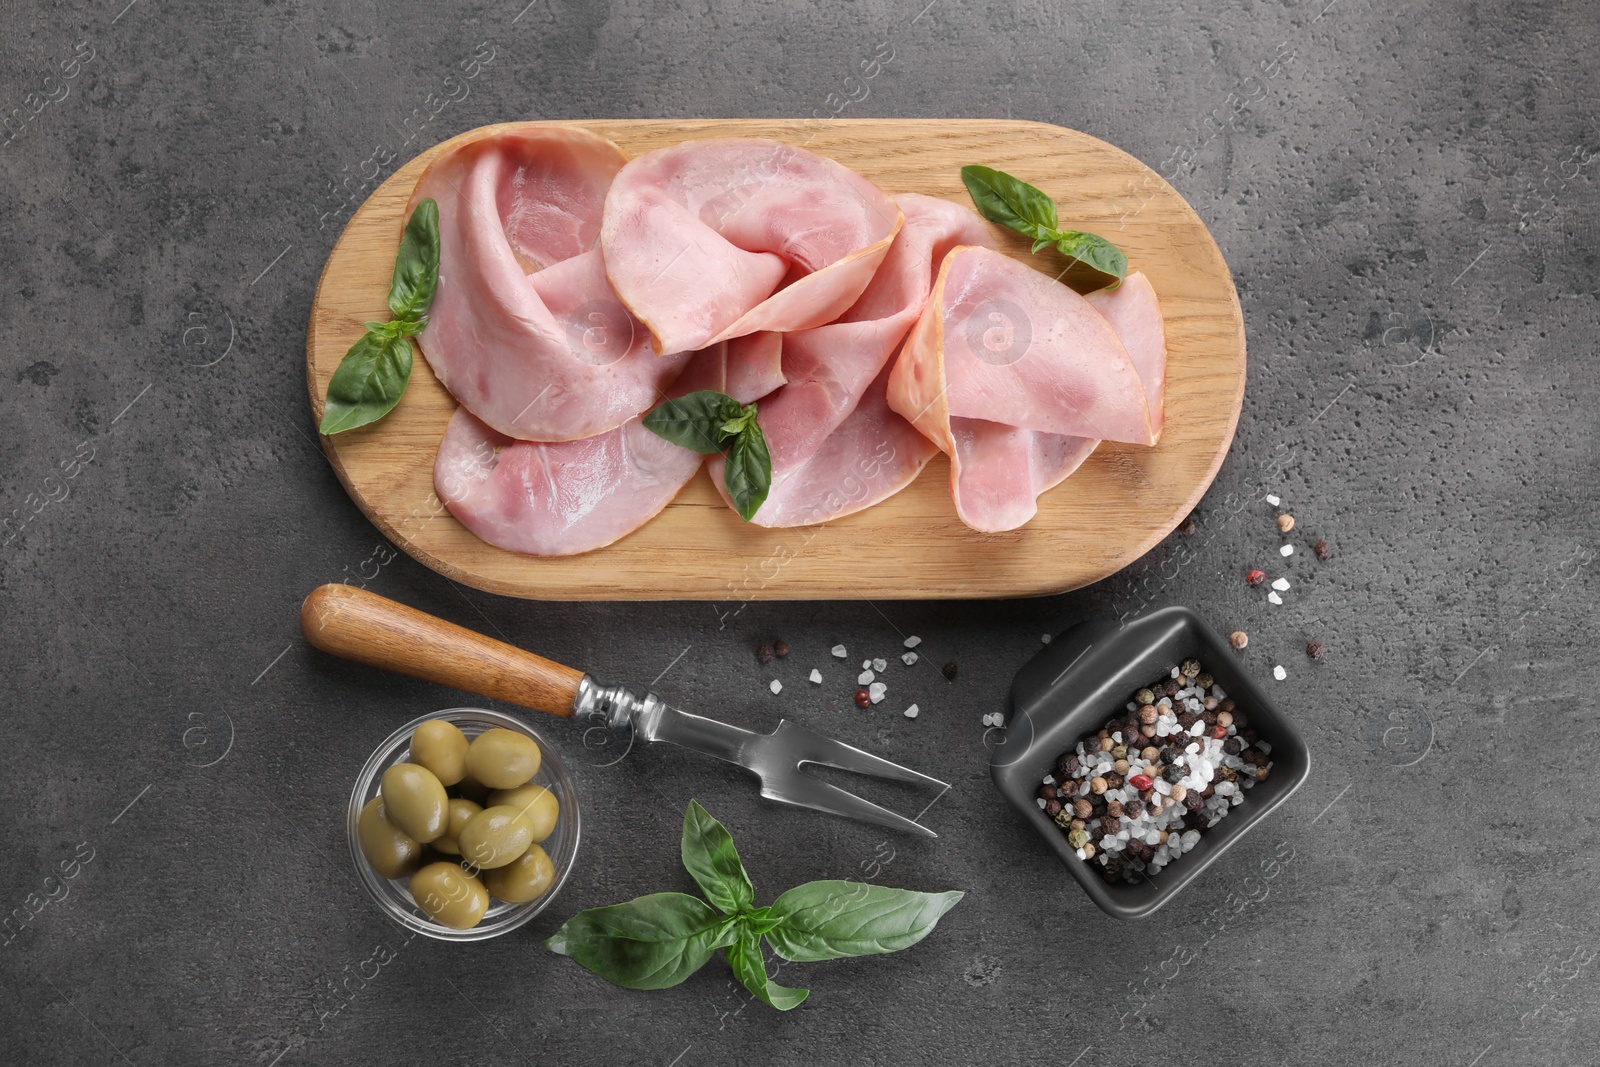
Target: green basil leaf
694 420
367 384
748 473
416 266
1094 251
1010 202
759 920
650 942
713 862
832 919
744 956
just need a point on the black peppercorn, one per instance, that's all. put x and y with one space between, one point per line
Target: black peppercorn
1322 549
1067 767
1172 773
1052 808
1169 754
780 648
1187 527
1233 746
1170 687
1314 649
763 653
1113 780
1193 801
1110 824
1133 808
1047 792
949 672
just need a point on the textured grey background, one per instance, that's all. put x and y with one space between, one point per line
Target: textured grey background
1406 196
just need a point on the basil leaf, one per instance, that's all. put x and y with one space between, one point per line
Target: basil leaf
694 420
367 384
833 919
713 862
744 956
650 942
1094 251
1011 202
748 473
416 267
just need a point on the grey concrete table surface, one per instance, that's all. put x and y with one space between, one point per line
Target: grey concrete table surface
1407 197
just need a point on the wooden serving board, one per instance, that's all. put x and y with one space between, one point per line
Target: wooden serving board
1114 509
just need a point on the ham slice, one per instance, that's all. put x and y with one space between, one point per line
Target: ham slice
836 446
710 240
563 498
1018 379
525 330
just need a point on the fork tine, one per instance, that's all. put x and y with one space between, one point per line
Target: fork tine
806 792
808 746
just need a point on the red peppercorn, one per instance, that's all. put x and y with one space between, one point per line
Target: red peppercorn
863 697
1219 731
1256 577
1141 782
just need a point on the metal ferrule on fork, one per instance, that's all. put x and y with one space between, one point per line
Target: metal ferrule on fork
611 706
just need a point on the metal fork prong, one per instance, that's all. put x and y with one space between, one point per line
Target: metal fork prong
808 792
807 746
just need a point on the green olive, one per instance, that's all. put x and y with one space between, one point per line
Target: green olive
414 801
495 836
442 748
525 878
450 895
461 809
503 759
537 804
391 853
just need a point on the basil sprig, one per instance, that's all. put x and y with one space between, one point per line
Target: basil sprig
1015 204
711 422
372 376
659 940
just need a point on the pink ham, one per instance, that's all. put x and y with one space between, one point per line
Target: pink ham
1018 378
525 330
1135 314
836 447
709 240
563 498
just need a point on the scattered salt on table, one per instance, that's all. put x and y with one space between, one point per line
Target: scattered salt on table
876 691
776 686
911 712
1273 500
909 658
838 650
816 676
879 664
865 678
1279 673
1274 598
1286 550
1281 585
913 641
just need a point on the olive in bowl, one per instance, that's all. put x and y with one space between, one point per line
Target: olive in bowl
461 861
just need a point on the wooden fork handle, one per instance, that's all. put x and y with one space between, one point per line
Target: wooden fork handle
357 625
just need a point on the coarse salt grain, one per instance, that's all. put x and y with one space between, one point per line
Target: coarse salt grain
1286 550
1273 500
865 678
1274 598
838 650
913 641
816 676
879 664
776 686
911 712
1281 585
876 691
909 658
1279 673
866 664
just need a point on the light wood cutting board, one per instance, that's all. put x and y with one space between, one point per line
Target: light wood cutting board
1115 508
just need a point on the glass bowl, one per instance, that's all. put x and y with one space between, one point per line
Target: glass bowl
393 896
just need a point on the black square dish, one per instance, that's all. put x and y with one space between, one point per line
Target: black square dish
1084 677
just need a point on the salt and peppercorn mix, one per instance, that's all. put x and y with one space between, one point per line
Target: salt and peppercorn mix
1138 794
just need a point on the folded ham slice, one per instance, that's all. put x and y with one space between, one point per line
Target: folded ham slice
562 498
836 446
709 240
525 330
1018 378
